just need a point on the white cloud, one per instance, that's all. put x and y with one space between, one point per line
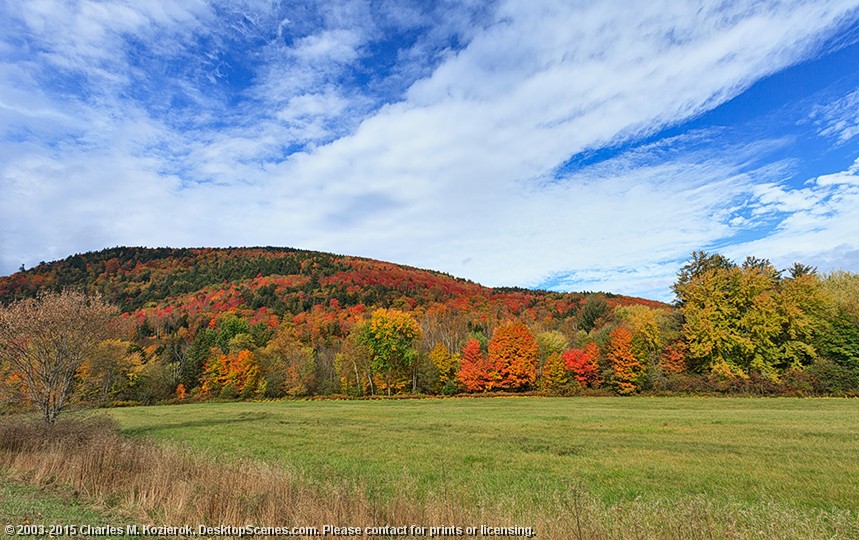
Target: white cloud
451 166
820 230
840 118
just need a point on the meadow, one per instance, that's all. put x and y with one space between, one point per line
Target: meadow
526 455
801 452
568 467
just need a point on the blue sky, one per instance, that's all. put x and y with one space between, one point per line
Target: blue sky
563 145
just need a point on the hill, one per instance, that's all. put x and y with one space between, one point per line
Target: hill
259 282
269 322
192 311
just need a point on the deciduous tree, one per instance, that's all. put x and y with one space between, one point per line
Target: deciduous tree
390 336
513 349
476 373
46 340
447 366
584 364
554 377
626 367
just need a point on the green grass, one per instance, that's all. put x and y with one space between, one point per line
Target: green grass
801 454
23 504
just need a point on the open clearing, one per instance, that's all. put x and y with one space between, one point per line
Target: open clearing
799 454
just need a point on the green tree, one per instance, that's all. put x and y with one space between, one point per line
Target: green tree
593 308
840 340
390 336
548 343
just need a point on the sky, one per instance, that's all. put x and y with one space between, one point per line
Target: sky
560 145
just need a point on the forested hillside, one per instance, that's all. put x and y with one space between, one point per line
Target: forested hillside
274 322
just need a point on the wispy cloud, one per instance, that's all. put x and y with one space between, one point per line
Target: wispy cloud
839 119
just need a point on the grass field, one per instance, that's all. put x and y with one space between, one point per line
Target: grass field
584 468
797 453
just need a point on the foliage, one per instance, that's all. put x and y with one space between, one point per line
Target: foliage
750 318
108 372
548 343
674 357
734 328
390 336
554 377
446 365
288 367
476 372
626 367
232 375
584 364
46 340
593 309
513 350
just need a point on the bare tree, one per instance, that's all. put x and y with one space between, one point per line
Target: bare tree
45 340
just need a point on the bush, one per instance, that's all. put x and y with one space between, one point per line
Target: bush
830 378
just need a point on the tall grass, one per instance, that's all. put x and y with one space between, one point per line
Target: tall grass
167 485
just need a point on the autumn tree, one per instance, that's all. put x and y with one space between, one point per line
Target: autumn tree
390 336
445 325
625 366
699 264
584 364
108 371
549 343
232 375
749 319
554 377
287 366
447 366
513 349
646 324
476 372
673 359
354 366
46 340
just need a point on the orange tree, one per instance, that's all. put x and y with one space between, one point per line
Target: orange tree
476 373
514 350
626 366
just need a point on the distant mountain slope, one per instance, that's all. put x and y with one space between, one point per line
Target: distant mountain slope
278 281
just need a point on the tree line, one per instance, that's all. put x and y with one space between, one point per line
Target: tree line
734 328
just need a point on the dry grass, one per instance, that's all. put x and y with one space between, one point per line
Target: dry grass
166 485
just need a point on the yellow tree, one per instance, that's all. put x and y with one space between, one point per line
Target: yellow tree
555 376
287 365
390 336
549 343
106 372
447 366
